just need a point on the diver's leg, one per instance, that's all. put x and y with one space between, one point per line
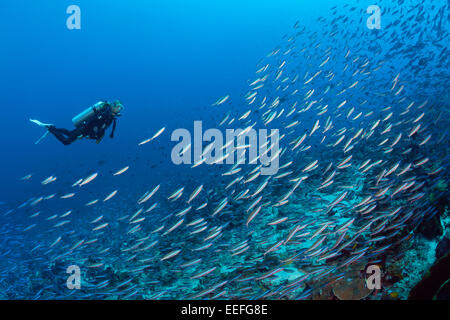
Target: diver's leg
63 135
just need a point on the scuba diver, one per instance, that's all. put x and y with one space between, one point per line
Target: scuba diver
91 123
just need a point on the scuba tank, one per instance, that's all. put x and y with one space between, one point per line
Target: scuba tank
88 113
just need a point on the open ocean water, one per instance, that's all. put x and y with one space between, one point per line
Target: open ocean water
266 150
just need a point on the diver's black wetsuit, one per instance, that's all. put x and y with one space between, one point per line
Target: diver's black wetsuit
94 128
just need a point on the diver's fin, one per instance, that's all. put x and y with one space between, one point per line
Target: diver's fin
45 125
42 138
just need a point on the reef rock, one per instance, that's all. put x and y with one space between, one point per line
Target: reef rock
443 248
431 228
435 284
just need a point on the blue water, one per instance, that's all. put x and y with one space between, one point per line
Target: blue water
168 62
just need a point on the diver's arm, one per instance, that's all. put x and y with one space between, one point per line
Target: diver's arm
113 128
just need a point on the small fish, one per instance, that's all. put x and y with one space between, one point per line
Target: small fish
67 196
27 177
195 193
170 255
108 197
104 225
121 171
88 179
48 180
157 134
221 100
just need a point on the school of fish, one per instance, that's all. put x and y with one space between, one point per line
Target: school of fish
362 118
